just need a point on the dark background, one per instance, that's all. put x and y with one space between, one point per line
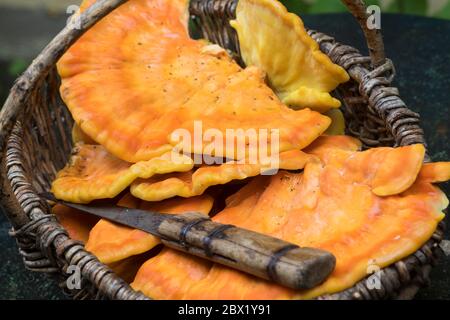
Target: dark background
419 47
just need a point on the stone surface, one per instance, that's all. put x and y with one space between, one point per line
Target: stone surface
420 49
17 282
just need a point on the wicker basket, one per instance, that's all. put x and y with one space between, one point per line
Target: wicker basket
35 142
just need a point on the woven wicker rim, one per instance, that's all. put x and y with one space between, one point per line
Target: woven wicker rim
35 114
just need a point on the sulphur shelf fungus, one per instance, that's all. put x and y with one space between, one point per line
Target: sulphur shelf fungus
93 173
136 76
277 42
196 182
322 207
136 83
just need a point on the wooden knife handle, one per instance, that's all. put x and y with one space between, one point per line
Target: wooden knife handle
255 253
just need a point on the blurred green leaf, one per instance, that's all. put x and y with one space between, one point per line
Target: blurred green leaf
326 6
417 7
444 13
297 6
414 7
16 67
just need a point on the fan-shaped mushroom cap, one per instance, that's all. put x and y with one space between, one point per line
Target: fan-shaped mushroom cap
435 172
276 41
93 173
136 77
195 182
387 171
321 208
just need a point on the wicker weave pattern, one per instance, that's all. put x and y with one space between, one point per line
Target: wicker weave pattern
44 244
377 116
40 144
46 247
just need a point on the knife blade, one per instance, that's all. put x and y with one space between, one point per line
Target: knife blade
251 252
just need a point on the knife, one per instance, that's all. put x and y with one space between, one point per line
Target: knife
260 255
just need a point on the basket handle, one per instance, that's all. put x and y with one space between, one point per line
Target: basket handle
373 37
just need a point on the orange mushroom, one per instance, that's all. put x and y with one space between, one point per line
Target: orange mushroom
193 183
92 173
321 207
387 171
368 208
276 41
136 78
435 172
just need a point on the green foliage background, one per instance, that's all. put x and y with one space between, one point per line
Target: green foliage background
434 8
